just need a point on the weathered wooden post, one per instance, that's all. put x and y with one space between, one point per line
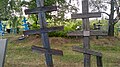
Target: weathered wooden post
3 46
41 9
86 35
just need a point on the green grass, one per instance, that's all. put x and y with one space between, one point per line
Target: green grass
19 53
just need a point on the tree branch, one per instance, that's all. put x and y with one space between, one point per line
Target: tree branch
106 13
117 18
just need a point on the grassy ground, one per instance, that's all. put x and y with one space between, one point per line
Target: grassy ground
19 53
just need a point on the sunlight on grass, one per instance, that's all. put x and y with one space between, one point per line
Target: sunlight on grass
19 54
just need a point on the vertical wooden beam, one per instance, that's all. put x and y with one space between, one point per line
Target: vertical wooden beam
99 61
44 36
86 27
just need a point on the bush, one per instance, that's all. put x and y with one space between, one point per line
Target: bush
34 26
58 34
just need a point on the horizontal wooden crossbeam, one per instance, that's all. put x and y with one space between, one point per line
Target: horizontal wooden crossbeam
88 15
92 33
50 51
86 51
41 9
43 30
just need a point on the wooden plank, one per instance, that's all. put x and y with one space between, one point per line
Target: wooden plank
75 33
86 51
87 57
92 33
86 15
41 9
101 33
86 27
43 30
99 61
86 33
3 46
44 50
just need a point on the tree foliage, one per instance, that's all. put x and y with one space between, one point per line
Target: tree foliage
98 5
63 8
102 5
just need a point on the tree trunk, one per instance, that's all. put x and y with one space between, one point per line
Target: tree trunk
111 20
111 30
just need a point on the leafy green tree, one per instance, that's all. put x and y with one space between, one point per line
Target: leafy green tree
3 9
11 9
100 5
63 7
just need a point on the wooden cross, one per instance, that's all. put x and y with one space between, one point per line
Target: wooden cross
86 33
41 9
25 24
3 46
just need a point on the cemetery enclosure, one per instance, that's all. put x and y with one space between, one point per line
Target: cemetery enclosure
48 49
19 53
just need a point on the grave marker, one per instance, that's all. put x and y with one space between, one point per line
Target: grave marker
4 27
97 26
41 9
25 24
3 46
86 33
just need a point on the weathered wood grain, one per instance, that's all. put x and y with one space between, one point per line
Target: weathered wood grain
43 30
41 9
44 50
